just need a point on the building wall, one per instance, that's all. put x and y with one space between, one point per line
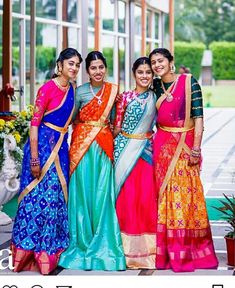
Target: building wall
63 23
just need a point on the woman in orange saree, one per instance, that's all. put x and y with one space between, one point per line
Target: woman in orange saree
184 240
95 239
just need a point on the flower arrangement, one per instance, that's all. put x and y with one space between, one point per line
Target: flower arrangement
19 128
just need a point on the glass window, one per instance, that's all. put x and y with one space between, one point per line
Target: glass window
45 52
121 59
27 60
107 13
121 16
16 6
91 41
15 60
71 15
137 20
148 24
1 4
156 25
73 37
28 7
148 48
137 48
108 51
46 8
91 12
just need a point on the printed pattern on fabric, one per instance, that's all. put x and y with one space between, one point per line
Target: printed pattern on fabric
42 210
131 120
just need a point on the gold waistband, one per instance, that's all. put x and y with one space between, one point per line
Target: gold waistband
56 128
175 129
95 123
140 136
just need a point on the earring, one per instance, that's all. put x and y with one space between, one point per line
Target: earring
172 71
59 72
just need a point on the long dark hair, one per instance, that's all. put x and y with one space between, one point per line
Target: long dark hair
94 55
141 61
164 52
65 55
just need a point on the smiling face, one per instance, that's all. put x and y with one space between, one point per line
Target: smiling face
97 71
69 68
160 65
143 76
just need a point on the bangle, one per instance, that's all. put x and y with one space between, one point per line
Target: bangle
196 149
34 161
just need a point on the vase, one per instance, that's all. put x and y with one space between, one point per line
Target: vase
230 244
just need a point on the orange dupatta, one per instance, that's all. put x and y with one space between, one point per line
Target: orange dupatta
84 133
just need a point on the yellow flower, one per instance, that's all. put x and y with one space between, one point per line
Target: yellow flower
17 137
2 122
10 124
24 113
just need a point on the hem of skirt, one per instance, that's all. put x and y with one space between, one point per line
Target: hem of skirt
114 264
29 260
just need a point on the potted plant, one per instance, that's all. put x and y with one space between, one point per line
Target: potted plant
227 209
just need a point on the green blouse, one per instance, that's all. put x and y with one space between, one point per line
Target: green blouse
196 95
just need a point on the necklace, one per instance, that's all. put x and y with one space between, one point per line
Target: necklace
169 95
99 98
142 102
63 88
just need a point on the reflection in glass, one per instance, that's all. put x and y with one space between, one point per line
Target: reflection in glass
15 61
121 16
73 37
91 12
137 20
156 26
108 51
71 11
137 48
45 52
148 24
107 13
91 41
46 8
148 48
16 6
121 59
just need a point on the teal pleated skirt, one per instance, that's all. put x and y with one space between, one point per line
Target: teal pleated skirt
95 239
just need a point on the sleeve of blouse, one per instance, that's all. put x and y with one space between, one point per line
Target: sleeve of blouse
40 106
196 99
120 110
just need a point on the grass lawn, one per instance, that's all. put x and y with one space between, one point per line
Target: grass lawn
221 96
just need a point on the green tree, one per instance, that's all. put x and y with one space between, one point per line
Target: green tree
205 20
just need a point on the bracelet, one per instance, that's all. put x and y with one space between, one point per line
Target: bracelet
196 149
34 161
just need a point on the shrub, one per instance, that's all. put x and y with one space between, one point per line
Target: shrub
223 65
189 55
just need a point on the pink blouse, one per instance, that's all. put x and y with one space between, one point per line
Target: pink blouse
121 105
49 97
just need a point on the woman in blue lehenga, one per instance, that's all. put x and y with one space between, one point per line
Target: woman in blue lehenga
41 232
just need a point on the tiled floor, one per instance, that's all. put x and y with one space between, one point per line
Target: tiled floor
218 176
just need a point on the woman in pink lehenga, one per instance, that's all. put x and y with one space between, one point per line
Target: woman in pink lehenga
184 240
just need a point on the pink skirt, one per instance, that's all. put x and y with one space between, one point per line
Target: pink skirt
137 214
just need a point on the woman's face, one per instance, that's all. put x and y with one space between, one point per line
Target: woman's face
143 76
70 67
97 71
160 65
